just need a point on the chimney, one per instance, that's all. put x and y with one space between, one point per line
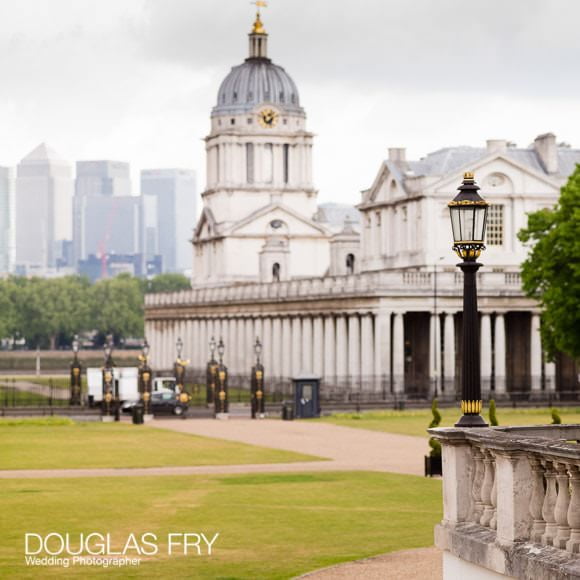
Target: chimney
397 154
545 146
496 145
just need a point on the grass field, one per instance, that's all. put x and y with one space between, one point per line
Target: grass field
271 526
62 443
415 422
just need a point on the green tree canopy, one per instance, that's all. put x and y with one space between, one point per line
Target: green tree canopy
167 283
551 273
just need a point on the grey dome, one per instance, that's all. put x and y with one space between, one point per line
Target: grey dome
256 81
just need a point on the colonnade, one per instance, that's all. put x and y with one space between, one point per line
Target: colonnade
362 350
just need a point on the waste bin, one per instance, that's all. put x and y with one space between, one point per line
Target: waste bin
287 411
138 414
306 396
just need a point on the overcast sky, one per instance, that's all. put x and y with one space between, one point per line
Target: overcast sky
135 80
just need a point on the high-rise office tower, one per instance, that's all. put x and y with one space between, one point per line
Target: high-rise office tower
107 218
6 220
43 204
170 199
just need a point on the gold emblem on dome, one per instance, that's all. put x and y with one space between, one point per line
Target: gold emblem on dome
268 118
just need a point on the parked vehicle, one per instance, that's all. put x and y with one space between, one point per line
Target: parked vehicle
127 383
162 403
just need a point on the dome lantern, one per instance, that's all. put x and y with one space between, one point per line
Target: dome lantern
258 36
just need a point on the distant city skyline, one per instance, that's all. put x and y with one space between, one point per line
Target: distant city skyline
378 74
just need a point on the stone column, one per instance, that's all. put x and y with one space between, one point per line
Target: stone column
341 351
286 347
449 354
435 352
202 348
382 351
249 342
241 350
485 330
550 376
276 347
536 354
267 341
399 354
307 344
295 351
318 346
354 351
500 354
367 344
329 349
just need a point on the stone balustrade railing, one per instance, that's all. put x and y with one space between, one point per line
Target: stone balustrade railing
511 500
366 283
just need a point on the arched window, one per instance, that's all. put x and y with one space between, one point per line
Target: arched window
350 260
276 272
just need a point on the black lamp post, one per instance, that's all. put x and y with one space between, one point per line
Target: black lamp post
179 373
109 395
75 374
145 379
468 219
211 374
221 401
258 402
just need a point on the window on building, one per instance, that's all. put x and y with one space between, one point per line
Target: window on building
378 218
286 162
276 272
495 225
232 121
350 264
249 162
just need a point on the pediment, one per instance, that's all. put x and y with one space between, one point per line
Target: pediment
206 225
498 173
388 184
265 222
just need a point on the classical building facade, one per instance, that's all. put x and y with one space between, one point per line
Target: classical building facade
376 311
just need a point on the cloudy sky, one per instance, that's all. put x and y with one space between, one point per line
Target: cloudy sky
135 80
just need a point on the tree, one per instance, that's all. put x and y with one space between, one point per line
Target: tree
117 307
167 283
551 273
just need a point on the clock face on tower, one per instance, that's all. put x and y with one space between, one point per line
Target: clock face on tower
268 118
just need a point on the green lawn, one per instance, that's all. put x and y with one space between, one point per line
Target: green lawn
62 443
415 422
271 526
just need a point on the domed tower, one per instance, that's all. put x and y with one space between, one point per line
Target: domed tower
259 179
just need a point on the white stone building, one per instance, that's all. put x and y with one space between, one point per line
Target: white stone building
379 312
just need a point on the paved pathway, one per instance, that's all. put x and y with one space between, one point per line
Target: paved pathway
421 564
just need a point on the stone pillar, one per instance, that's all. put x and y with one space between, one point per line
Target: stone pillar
286 347
382 351
435 352
318 346
341 351
536 354
354 351
307 344
276 347
449 354
550 376
514 488
500 354
367 344
295 351
241 348
250 340
329 349
398 354
485 330
267 341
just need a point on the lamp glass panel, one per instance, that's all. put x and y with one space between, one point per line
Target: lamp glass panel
467 221
454 212
480 214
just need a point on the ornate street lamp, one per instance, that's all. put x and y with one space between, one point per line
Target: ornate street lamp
258 402
179 373
75 374
468 219
145 379
221 401
211 374
108 408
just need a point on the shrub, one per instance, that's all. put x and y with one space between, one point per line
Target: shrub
433 443
492 416
556 419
